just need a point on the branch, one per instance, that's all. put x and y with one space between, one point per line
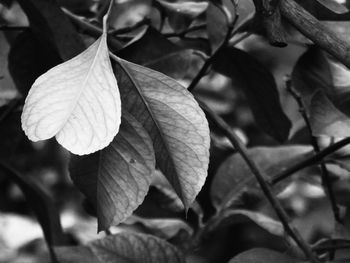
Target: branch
314 30
310 161
260 176
268 12
326 181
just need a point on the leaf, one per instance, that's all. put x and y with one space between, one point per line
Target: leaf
326 119
312 72
259 87
155 51
28 59
116 179
42 205
262 255
216 26
175 122
52 27
234 178
181 14
237 216
334 6
124 247
77 101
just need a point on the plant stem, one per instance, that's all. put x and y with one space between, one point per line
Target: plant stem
259 175
326 181
310 161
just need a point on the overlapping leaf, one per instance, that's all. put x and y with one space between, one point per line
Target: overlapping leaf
78 102
116 179
124 247
175 122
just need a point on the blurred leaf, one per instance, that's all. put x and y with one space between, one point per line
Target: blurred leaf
124 247
237 216
234 178
182 13
52 27
155 51
312 72
326 119
28 59
262 255
334 6
10 129
175 122
166 228
82 109
260 88
42 205
216 26
116 179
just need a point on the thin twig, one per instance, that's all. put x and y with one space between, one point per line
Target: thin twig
230 26
310 161
326 181
260 176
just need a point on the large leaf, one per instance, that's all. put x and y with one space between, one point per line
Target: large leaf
262 255
52 27
155 51
175 122
28 59
42 205
116 180
259 87
234 177
124 247
77 101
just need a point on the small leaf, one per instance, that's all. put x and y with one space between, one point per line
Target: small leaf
181 14
334 6
175 122
326 119
124 247
260 88
262 255
77 101
116 179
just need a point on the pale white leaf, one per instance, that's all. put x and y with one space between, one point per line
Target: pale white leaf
77 101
